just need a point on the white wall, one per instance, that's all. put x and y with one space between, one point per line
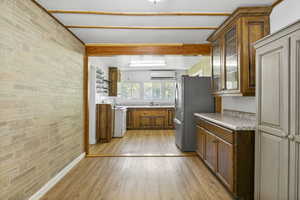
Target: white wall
284 14
92 105
102 63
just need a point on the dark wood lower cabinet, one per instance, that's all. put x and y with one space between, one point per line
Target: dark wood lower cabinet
150 118
129 119
225 163
145 122
159 121
104 122
211 157
201 142
230 156
171 116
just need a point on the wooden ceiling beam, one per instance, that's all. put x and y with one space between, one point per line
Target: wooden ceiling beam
140 13
147 49
144 27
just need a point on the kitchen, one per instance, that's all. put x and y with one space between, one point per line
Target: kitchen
141 105
150 99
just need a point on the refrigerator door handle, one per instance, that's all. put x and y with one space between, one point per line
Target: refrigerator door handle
176 96
176 121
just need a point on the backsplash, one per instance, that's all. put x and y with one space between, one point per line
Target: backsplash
143 102
239 114
119 101
243 104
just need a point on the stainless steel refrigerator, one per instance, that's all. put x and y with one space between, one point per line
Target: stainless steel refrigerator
192 95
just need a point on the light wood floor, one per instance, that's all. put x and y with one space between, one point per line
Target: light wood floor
184 178
140 142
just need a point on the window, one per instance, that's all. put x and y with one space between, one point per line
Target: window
130 90
151 90
169 92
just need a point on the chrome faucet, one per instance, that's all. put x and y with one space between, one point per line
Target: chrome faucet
151 103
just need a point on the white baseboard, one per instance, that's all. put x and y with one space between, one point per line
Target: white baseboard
56 178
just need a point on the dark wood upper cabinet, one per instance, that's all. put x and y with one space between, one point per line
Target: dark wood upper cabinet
216 66
233 54
113 77
231 59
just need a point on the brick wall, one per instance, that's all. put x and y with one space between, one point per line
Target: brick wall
41 98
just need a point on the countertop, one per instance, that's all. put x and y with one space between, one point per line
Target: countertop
147 106
232 121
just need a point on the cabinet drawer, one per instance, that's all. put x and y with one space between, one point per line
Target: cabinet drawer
223 133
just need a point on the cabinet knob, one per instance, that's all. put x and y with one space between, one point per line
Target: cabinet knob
291 137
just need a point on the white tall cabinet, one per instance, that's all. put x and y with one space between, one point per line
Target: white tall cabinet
277 150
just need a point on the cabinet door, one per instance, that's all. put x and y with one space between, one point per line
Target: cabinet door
272 146
145 122
273 165
225 164
295 118
211 151
253 29
129 119
104 128
216 66
113 78
170 118
200 142
110 122
158 122
231 59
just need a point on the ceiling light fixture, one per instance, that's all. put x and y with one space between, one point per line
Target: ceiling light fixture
154 1
147 63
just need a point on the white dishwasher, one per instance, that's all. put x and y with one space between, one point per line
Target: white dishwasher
120 121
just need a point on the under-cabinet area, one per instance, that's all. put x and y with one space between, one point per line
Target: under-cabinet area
226 145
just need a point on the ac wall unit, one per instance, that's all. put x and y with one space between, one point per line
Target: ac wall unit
163 75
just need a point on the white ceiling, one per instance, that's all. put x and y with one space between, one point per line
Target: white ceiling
145 36
142 36
173 62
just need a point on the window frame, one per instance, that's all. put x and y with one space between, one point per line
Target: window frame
131 82
163 87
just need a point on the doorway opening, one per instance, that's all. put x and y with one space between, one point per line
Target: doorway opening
131 102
